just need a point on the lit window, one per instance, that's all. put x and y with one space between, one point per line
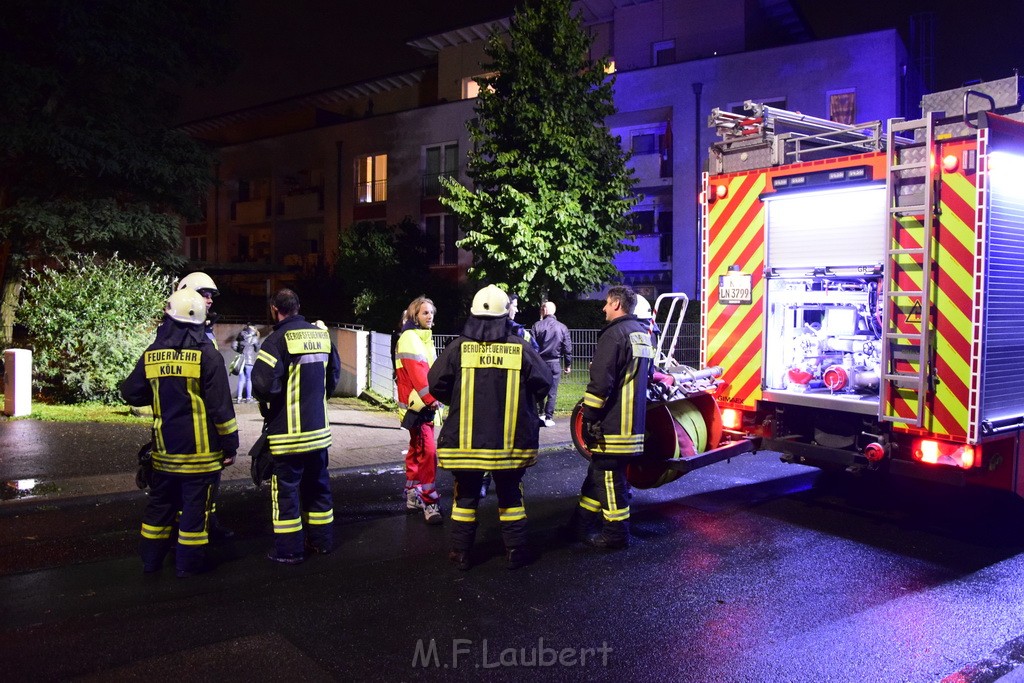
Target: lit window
470 87
372 178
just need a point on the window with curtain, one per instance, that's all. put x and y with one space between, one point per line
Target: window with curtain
372 178
440 161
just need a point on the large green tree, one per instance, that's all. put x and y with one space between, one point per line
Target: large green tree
548 209
88 159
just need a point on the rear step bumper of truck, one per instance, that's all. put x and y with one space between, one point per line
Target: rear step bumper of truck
816 456
748 444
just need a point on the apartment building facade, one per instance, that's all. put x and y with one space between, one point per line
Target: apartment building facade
293 175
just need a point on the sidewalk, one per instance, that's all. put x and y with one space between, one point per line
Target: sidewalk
63 460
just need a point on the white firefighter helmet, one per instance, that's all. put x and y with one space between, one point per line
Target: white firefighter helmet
490 302
186 306
643 311
198 281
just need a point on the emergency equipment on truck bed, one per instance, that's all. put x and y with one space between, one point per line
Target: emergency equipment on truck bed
862 285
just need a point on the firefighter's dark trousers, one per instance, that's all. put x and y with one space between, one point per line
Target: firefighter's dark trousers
605 492
508 485
301 503
192 494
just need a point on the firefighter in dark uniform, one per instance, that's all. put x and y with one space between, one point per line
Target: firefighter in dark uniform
194 433
614 414
204 284
296 370
491 379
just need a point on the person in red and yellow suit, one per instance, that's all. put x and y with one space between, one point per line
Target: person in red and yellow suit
414 354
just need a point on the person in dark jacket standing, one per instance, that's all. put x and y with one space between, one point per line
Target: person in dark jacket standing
614 416
194 433
555 347
247 344
492 379
296 370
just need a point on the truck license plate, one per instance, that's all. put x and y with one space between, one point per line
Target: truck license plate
734 288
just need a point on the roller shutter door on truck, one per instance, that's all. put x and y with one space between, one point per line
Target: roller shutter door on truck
817 229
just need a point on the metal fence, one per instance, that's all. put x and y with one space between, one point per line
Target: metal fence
381 364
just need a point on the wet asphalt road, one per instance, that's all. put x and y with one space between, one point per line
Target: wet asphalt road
58 450
750 570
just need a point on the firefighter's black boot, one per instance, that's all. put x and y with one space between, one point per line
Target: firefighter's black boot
219 532
518 557
614 536
460 558
580 525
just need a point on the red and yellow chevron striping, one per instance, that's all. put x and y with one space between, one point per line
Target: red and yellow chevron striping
733 334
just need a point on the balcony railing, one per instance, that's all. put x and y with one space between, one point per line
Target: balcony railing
373 191
655 253
432 183
251 211
302 205
651 170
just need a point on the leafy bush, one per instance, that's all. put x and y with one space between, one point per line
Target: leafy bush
89 319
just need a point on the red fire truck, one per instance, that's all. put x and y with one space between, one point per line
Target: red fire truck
863 286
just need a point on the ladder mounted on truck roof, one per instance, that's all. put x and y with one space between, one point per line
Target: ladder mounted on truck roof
787 137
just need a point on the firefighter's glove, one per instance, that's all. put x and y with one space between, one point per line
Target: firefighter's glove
229 458
144 473
592 431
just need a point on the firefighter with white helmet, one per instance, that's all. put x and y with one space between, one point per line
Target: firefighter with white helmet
186 306
643 309
484 434
195 434
645 314
203 284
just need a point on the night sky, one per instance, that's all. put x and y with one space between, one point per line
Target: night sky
301 46
974 39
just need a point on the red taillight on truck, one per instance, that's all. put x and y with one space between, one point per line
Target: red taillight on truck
935 452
